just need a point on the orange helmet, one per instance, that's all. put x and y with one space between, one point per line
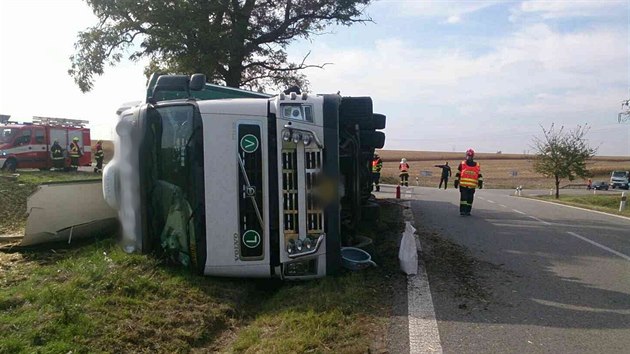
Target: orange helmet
470 152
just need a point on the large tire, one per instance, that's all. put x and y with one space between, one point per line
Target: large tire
10 165
377 122
372 139
354 110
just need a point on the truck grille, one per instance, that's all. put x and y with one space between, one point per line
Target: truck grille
303 215
290 194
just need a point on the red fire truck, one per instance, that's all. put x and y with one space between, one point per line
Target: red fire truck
27 145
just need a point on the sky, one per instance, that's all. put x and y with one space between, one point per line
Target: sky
449 75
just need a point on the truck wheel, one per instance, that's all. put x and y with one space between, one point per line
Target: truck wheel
10 165
377 122
353 110
372 139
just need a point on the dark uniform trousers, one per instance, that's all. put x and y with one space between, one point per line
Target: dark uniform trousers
466 196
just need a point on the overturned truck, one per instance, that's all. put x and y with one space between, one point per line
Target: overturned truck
268 186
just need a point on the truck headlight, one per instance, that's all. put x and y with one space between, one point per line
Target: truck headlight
307 139
286 135
296 137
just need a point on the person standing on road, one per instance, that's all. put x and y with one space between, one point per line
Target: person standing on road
468 178
99 155
75 154
446 173
404 172
57 155
377 165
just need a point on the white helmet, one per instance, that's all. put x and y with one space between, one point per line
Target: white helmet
403 160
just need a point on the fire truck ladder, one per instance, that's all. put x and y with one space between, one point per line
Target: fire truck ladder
63 122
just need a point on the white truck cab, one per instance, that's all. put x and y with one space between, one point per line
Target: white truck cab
233 187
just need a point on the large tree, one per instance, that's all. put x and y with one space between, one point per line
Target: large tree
563 154
239 43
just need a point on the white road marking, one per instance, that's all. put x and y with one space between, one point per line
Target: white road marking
482 198
502 206
518 211
581 308
424 336
490 201
539 220
627 258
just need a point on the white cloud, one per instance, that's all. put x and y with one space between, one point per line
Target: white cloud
564 9
535 58
535 75
453 19
451 11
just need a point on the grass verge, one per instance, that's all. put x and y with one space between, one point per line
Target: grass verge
98 299
605 203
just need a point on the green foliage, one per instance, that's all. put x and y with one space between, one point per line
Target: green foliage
563 155
97 299
607 203
238 43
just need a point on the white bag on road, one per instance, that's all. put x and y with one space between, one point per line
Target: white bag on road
408 253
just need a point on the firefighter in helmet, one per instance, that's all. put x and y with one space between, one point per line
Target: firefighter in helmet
404 172
99 155
377 165
57 155
468 178
75 153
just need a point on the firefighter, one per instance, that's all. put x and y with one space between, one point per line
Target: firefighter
446 173
468 178
75 154
404 172
99 156
377 165
57 155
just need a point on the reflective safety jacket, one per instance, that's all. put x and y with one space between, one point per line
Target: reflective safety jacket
377 165
75 150
99 152
469 176
403 167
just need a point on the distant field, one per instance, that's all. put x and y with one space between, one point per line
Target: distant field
496 168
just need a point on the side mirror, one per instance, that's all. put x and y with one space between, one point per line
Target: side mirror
197 82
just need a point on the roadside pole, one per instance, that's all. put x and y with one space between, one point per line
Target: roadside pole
622 205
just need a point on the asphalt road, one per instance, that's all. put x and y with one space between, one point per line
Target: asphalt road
557 278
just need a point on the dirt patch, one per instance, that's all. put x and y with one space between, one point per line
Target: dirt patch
453 270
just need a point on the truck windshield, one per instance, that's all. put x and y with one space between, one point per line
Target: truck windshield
173 171
619 174
7 134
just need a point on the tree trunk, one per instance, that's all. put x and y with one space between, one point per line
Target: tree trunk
557 187
233 77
